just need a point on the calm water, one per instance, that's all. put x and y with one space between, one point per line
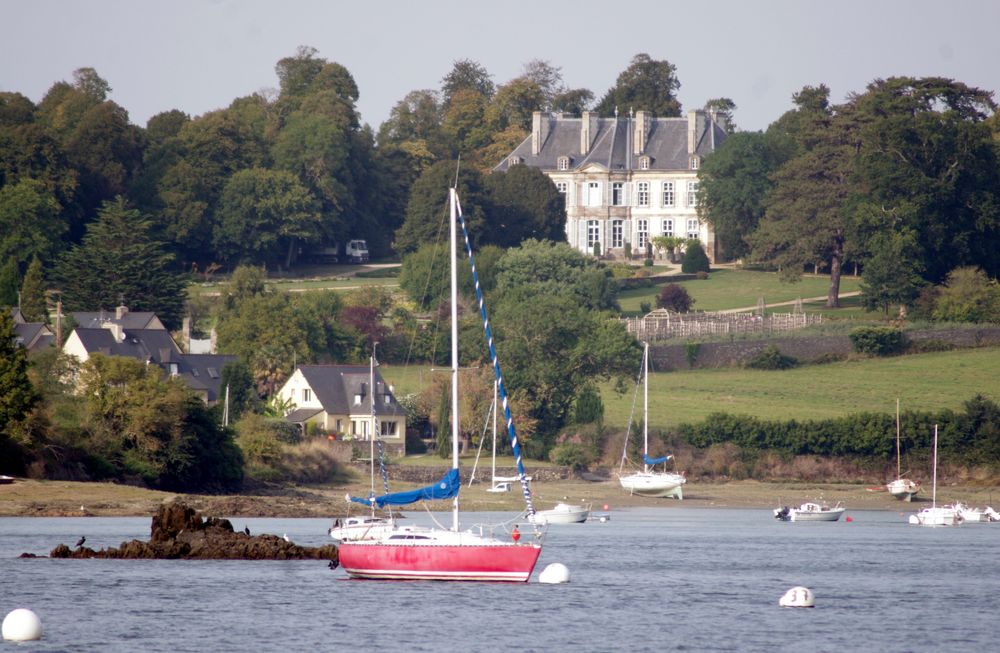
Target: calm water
647 580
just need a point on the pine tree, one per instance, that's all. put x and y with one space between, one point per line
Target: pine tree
119 261
33 306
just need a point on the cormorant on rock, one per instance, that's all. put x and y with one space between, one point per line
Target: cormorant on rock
79 542
246 529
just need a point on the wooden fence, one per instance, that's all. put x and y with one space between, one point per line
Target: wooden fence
664 325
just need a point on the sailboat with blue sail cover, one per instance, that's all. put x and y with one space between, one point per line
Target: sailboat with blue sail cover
421 553
649 482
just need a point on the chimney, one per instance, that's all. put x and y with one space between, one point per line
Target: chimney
642 124
696 127
588 130
186 335
539 131
59 329
120 311
116 331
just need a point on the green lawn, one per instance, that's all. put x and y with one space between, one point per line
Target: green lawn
727 289
922 382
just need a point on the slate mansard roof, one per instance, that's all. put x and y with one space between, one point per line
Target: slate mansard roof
612 142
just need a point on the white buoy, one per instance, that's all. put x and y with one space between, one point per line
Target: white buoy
22 625
797 597
554 573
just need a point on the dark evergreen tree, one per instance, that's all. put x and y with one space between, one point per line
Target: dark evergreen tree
10 283
17 396
695 259
119 261
33 305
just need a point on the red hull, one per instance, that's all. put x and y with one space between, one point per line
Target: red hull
489 562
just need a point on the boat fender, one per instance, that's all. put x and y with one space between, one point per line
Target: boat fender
515 534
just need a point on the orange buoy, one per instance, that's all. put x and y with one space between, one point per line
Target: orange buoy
515 534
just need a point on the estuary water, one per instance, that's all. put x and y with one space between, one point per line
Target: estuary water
649 579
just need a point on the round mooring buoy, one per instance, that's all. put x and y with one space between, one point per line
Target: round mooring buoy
554 573
797 597
22 625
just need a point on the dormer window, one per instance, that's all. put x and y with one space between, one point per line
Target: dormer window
644 163
695 162
563 163
514 160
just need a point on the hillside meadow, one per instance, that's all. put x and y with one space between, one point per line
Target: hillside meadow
933 381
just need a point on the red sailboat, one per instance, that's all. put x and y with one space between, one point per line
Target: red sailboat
420 553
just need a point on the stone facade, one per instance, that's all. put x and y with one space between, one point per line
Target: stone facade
626 180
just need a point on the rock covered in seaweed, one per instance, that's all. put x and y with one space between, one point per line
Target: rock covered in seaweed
179 532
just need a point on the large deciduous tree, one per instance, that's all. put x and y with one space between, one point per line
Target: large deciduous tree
119 260
556 269
264 216
646 85
525 204
31 223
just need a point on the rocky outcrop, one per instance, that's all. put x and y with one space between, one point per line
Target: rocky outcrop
179 532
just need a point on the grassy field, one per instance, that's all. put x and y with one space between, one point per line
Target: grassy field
729 289
922 382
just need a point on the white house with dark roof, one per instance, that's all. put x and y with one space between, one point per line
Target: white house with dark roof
625 179
200 372
337 398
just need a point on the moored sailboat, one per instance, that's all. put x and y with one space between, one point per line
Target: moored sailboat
649 482
936 515
412 552
901 488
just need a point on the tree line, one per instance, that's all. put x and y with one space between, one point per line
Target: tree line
901 180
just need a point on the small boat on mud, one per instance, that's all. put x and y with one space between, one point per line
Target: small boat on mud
563 513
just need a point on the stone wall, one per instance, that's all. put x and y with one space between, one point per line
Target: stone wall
806 349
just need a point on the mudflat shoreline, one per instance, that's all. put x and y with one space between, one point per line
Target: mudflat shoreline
31 498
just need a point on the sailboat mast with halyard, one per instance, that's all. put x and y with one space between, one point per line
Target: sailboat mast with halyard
412 552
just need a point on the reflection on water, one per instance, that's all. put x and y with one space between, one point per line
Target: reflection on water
647 580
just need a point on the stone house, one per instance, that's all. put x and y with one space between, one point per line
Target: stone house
625 179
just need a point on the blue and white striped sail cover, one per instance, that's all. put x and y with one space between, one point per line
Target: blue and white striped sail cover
655 461
446 488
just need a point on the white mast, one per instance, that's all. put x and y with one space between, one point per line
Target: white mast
645 404
454 346
897 437
493 479
934 492
371 419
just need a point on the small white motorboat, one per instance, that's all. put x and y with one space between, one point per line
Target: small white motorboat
810 511
362 527
977 515
563 513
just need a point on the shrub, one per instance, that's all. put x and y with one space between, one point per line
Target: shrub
878 341
695 258
628 250
701 275
597 249
648 262
571 454
968 295
691 350
674 297
771 358
645 307
589 407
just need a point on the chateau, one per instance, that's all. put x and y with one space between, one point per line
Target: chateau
626 180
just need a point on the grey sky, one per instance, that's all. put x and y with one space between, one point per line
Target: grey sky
199 56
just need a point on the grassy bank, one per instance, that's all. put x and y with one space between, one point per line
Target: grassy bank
931 381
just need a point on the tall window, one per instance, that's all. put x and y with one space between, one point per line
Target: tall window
642 191
616 233
644 163
563 163
668 193
594 193
693 231
692 193
617 193
695 162
306 394
593 233
667 227
642 233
